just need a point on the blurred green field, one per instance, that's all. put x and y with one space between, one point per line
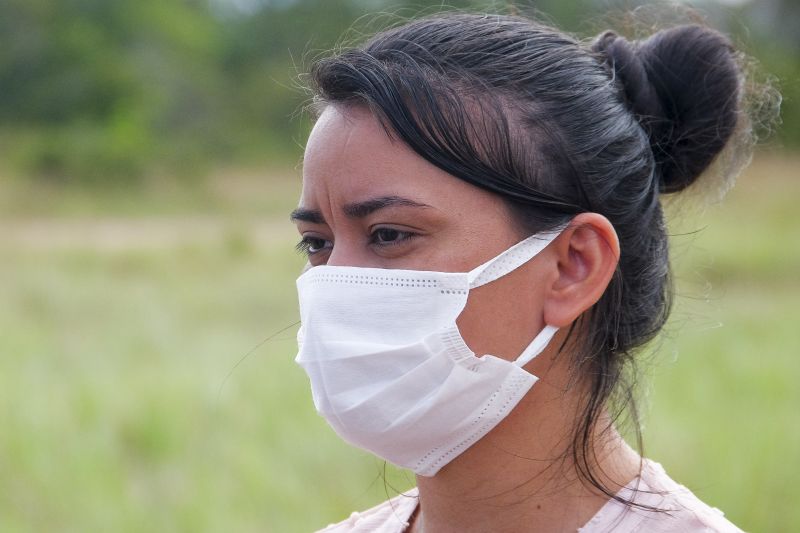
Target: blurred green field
130 400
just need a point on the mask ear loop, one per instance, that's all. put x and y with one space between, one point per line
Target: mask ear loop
537 345
508 261
511 259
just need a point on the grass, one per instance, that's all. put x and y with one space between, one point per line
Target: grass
136 395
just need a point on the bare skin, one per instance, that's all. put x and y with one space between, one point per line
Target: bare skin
516 478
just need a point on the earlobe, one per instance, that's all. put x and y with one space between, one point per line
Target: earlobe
587 253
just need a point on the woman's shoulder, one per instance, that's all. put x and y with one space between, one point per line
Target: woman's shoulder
391 516
676 508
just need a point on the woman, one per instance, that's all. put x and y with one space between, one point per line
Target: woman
487 252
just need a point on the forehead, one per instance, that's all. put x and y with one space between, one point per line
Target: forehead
349 152
351 157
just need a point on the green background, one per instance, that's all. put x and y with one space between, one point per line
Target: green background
147 302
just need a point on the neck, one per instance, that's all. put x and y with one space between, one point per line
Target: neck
522 477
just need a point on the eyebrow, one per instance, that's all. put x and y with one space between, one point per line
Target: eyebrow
356 210
306 215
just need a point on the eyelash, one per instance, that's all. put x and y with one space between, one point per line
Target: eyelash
305 244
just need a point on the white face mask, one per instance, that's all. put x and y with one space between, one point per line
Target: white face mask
389 369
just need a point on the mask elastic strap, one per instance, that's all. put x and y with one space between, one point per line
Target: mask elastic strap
511 259
536 346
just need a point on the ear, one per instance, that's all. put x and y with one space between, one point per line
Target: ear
586 253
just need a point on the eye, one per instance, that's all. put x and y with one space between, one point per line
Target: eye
311 245
389 236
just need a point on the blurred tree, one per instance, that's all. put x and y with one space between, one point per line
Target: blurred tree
97 88
104 90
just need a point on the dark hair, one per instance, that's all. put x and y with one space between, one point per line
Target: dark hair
557 127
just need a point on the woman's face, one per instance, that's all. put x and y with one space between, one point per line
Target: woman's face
370 201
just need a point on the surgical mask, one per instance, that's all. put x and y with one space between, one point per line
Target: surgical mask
388 367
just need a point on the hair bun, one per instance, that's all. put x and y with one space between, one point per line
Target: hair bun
683 84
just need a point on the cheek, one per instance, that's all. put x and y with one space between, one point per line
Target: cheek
502 317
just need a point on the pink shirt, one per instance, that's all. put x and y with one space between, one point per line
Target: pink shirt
685 512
